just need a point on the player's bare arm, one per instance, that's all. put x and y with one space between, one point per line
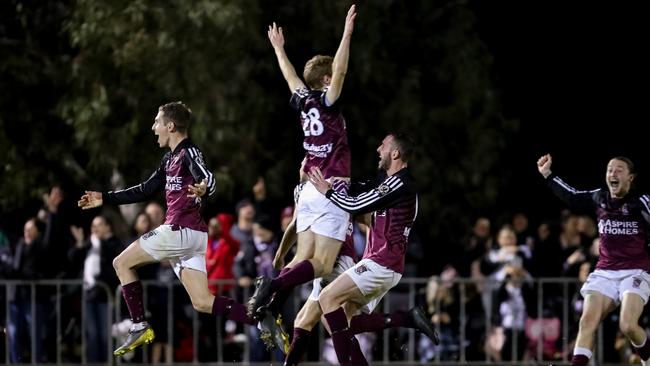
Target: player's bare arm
340 62
544 165
288 240
288 71
90 200
197 189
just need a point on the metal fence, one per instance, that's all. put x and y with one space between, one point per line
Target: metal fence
410 292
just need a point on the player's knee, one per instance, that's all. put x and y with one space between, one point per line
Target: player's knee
117 264
627 326
327 300
203 305
327 266
322 267
301 321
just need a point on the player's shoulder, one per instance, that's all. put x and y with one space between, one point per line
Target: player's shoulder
191 148
643 198
302 92
406 179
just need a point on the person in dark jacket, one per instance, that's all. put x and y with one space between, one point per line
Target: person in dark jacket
26 263
95 257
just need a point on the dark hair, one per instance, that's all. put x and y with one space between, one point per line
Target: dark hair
108 221
404 143
178 113
243 203
264 221
315 69
628 162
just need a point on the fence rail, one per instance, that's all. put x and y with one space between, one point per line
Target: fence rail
407 294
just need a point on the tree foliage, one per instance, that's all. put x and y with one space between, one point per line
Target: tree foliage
82 106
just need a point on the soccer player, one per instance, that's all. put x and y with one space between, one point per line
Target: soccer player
321 226
182 239
621 274
393 201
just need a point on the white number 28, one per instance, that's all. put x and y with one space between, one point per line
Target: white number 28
311 123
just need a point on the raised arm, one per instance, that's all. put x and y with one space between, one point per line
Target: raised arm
340 62
578 199
138 193
288 71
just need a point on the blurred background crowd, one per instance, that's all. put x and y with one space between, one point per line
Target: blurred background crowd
495 270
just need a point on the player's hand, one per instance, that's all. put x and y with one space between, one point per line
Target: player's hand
90 200
278 262
544 165
197 189
316 178
349 21
275 36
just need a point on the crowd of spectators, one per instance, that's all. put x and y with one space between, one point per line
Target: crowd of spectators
492 280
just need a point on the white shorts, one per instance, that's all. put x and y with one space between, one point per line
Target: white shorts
317 213
373 280
616 283
343 263
185 248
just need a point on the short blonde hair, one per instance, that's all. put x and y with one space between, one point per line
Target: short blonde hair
316 68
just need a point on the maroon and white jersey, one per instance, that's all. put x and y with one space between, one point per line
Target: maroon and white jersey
394 206
623 224
326 140
179 169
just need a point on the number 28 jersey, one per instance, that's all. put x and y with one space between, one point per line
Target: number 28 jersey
326 140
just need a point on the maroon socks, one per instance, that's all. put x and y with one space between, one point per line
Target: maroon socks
371 323
341 335
132 293
298 346
227 307
302 272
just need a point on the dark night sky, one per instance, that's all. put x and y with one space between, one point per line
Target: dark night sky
575 76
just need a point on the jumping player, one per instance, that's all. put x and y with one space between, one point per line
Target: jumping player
393 202
182 239
621 274
310 313
321 226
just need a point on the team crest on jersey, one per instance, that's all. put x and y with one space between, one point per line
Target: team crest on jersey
199 159
636 283
625 210
360 269
383 189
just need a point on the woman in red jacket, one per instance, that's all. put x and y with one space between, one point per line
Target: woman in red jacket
221 251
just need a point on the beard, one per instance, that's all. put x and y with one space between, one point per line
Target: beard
384 163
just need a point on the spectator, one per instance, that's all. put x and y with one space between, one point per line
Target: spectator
156 213
221 252
29 258
245 268
520 226
96 258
